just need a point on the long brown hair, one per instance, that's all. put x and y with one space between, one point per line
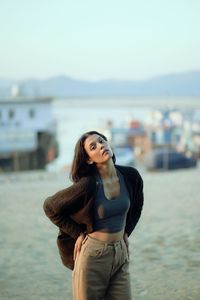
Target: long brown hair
80 166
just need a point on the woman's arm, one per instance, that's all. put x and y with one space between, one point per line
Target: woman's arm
136 207
69 199
64 203
64 222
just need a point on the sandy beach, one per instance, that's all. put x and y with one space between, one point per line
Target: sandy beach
165 246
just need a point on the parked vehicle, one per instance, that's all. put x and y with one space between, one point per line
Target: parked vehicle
124 156
168 159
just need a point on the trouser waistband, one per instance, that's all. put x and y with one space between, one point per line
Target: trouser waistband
89 238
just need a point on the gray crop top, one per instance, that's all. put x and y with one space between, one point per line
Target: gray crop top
110 215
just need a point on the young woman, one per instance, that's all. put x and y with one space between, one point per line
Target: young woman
95 216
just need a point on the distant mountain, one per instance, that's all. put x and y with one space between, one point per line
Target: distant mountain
179 84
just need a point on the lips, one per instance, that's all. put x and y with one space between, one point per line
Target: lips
105 151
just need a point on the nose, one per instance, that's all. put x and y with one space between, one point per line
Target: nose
101 145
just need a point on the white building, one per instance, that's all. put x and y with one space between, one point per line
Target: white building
23 121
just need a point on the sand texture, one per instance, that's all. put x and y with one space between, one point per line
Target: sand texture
165 246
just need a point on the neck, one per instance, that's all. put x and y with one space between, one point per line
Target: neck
107 170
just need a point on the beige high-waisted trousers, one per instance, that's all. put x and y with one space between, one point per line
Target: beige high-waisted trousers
101 271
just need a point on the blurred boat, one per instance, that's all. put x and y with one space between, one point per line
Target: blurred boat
168 159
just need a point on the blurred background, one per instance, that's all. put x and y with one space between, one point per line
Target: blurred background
131 70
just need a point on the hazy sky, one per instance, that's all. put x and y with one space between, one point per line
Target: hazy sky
98 39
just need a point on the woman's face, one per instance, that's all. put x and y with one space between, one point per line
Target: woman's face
97 149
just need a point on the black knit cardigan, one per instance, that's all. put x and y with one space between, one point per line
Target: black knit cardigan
71 209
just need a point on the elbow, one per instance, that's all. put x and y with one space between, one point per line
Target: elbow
46 206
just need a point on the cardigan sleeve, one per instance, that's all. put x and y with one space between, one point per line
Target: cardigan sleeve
64 203
136 208
67 198
64 222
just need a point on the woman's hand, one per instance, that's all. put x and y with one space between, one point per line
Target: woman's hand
126 242
78 244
